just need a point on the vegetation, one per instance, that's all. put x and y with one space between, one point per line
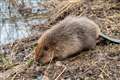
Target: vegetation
102 63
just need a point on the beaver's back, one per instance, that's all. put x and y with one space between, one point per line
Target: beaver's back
74 28
72 25
82 23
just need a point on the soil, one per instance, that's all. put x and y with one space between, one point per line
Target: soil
102 63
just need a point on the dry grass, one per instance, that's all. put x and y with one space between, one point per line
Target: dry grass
102 63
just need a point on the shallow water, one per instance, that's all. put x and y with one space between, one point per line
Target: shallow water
10 31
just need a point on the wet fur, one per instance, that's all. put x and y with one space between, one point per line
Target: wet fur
66 38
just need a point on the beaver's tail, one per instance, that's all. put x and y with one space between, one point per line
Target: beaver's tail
109 38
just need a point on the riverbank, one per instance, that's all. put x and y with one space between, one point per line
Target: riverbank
102 63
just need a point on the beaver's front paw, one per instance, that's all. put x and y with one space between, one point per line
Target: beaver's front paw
46 59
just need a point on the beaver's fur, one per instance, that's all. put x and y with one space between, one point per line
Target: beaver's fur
69 36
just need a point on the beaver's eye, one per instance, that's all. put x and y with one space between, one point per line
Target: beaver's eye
45 48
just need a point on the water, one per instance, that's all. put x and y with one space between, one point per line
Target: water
9 32
16 29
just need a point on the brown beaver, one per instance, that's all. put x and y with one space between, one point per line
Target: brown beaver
69 36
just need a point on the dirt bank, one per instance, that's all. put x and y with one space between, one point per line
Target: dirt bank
102 63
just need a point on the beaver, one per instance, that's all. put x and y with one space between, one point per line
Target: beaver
69 36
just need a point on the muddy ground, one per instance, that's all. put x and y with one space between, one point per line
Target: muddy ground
102 63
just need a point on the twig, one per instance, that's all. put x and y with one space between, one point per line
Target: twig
13 78
105 73
61 73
